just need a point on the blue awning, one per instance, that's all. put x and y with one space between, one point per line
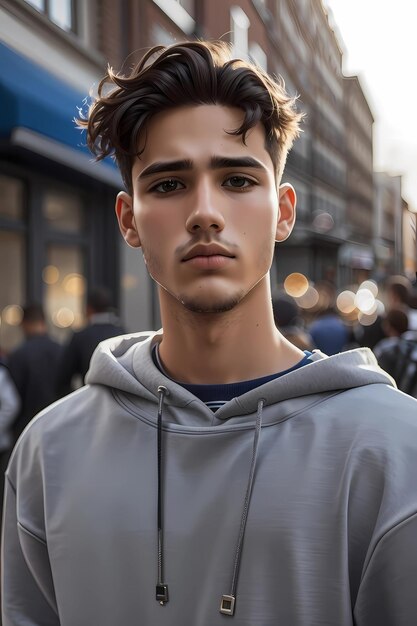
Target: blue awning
37 111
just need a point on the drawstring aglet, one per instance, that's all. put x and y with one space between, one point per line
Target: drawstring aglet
162 594
227 605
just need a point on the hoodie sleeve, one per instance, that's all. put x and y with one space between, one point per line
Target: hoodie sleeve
387 593
28 596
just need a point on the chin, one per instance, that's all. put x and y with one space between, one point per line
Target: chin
211 306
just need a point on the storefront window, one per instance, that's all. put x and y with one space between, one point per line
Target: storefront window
63 211
12 281
65 288
11 198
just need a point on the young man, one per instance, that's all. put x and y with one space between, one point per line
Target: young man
212 471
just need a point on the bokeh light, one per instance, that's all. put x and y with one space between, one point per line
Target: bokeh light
74 284
323 222
380 307
309 299
63 318
50 274
12 314
346 302
365 301
130 281
296 285
371 286
367 320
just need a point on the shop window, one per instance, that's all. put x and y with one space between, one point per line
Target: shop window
12 281
64 289
63 211
11 198
60 12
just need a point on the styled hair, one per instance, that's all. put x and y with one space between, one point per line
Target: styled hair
189 73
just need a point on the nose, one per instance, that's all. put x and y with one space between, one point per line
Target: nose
205 214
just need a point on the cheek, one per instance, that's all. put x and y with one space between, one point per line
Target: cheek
153 229
157 239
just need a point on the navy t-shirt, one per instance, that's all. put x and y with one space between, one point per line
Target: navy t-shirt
214 396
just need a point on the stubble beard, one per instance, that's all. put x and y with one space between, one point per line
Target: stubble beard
220 306
199 305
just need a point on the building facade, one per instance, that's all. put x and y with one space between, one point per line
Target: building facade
356 256
56 206
409 223
388 224
58 233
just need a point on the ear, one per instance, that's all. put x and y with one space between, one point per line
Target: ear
126 219
286 217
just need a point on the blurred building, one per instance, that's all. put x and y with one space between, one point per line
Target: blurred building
409 222
357 255
57 229
388 227
58 234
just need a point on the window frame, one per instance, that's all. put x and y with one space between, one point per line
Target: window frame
46 12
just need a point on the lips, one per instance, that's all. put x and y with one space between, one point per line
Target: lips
208 250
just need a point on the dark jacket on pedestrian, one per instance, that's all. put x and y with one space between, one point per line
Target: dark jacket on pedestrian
33 367
76 355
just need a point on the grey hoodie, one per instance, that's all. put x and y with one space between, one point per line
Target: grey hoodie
331 532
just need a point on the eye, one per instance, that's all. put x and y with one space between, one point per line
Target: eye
167 186
238 182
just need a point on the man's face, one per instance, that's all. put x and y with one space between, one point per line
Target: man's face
205 208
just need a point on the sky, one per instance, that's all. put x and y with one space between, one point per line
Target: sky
379 40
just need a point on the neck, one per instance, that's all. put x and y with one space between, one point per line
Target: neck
241 344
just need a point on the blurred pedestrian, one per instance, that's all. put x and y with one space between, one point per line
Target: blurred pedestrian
394 325
33 367
103 323
329 333
287 318
412 312
398 292
397 296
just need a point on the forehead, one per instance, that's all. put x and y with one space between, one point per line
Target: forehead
197 133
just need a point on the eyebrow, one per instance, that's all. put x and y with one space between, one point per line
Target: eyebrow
216 163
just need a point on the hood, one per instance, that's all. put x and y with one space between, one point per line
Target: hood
125 364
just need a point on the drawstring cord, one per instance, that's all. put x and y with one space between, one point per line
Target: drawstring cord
227 605
161 587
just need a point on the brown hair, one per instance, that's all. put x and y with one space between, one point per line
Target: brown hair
189 73
400 288
398 320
